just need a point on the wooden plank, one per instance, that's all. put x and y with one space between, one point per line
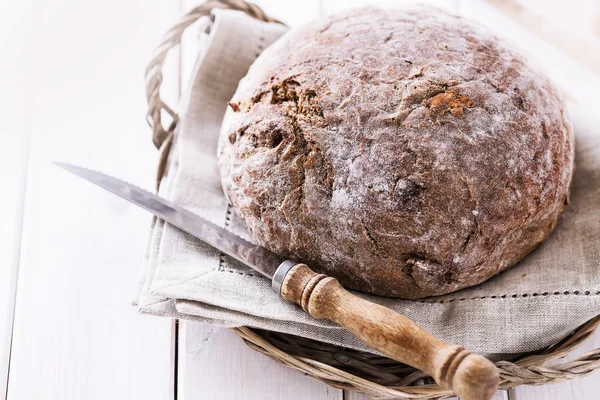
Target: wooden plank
75 335
214 362
13 165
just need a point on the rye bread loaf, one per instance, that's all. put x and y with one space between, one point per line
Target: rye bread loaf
407 153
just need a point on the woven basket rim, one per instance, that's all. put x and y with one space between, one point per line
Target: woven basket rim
376 376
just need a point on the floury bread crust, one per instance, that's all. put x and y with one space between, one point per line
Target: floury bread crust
405 152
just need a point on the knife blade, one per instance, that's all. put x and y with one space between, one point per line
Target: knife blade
256 257
471 376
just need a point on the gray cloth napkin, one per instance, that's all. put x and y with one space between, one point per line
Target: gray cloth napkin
531 306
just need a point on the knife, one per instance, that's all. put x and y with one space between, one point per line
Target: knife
470 376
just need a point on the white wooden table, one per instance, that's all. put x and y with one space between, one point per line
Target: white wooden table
72 90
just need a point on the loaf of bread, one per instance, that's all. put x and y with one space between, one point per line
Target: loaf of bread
407 153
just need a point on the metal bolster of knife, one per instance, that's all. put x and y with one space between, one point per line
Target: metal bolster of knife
280 274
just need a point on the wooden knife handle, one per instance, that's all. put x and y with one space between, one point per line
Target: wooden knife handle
470 376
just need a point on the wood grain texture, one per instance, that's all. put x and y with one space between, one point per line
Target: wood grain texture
75 334
472 377
14 137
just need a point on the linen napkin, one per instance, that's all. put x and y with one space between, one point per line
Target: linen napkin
531 306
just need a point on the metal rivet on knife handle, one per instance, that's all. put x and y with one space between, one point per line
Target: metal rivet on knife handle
470 376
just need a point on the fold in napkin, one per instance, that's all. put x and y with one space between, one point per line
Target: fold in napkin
531 306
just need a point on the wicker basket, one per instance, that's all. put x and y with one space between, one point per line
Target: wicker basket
376 376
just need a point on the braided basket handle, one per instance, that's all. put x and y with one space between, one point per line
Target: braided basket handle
153 75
